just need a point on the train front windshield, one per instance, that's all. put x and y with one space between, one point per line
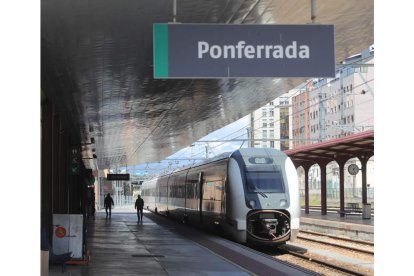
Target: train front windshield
267 182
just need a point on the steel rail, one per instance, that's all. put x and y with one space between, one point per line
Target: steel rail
338 245
321 262
336 237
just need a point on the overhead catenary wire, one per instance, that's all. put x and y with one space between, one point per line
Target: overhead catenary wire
299 111
221 143
290 115
290 96
299 90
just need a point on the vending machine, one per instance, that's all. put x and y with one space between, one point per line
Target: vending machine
68 234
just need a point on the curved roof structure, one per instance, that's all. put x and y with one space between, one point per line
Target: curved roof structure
356 145
97 70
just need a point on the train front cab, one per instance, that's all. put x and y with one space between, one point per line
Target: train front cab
265 208
264 226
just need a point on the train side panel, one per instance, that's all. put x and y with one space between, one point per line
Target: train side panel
235 220
193 191
149 191
213 185
177 195
251 194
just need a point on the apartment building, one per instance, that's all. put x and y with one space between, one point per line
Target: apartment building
319 109
271 124
333 108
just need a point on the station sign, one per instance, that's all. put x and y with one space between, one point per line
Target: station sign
113 176
75 161
230 51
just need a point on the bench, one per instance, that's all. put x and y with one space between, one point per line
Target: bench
351 209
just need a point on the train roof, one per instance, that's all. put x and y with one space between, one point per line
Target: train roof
224 155
221 156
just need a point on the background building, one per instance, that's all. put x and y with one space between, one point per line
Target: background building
270 126
300 115
333 108
319 110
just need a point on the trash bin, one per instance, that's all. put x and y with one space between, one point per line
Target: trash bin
366 211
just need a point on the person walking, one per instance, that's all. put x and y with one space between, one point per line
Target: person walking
139 206
108 203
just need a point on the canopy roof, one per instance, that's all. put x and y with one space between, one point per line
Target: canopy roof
97 68
359 145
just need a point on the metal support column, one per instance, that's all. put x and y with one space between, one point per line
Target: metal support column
313 11
364 162
306 189
63 172
323 189
341 164
55 161
46 165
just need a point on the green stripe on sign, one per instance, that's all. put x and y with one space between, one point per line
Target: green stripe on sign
160 51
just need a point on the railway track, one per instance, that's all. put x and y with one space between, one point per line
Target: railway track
300 258
336 237
340 242
320 261
318 264
294 253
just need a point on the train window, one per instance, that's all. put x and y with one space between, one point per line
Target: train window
190 190
270 182
261 160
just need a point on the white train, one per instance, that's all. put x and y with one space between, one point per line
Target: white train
251 195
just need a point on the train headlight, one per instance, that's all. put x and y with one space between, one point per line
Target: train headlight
283 202
252 203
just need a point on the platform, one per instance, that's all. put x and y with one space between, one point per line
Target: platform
354 227
121 246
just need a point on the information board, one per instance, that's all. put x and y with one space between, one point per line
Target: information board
113 176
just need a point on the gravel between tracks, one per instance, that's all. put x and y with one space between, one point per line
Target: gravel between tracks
345 252
309 265
322 269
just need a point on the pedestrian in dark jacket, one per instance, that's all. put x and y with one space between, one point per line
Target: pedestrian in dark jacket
139 205
108 203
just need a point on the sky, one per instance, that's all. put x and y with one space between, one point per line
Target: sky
235 130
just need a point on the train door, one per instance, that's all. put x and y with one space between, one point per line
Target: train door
170 181
186 195
200 195
223 198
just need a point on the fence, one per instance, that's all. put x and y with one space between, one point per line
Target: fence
332 196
